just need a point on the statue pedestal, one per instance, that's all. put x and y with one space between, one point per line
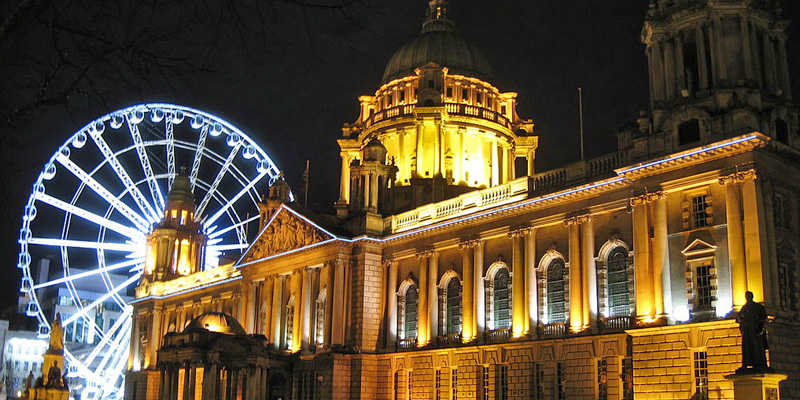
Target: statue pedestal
756 385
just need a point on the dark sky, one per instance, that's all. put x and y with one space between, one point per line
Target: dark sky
295 100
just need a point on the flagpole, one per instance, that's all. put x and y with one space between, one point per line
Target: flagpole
305 200
580 117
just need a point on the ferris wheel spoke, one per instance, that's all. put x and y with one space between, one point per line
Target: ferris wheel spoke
170 134
221 174
109 341
198 155
82 244
123 208
89 216
123 176
232 227
72 277
234 199
152 184
102 298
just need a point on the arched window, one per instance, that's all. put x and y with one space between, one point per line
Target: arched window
556 293
781 131
618 291
501 309
689 132
453 307
409 305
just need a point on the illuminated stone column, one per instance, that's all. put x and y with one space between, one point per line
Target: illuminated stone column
530 280
419 151
277 310
495 166
391 303
252 307
719 46
575 277
305 307
736 252
530 159
480 293
295 290
344 184
133 361
267 295
423 327
330 270
433 295
783 66
661 277
339 315
468 324
373 195
643 277
155 336
519 316
753 236
669 69
589 286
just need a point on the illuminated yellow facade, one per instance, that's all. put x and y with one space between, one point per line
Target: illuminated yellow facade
449 273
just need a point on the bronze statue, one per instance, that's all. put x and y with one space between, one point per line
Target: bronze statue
752 321
54 376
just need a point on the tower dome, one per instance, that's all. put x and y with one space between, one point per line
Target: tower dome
438 43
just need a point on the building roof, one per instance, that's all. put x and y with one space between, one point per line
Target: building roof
439 43
181 189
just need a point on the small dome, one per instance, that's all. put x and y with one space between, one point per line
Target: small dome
181 189
216 322
374 151
438 43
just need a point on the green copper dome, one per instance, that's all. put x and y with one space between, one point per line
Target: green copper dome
181 189
438 43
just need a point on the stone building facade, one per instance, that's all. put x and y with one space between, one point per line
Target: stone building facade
449 272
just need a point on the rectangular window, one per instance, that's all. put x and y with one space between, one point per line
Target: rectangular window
396 386
602 380
700 215
401 95
464 94
454 384
503 110
479 97
703 286
538 382
388 101
561 382
701 373
781 211
627 378
450 92
502 382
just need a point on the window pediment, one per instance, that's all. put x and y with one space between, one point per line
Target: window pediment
698 248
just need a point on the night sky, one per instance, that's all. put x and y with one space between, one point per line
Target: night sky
293 94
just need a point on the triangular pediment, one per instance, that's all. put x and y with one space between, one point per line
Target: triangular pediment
286 231
698 247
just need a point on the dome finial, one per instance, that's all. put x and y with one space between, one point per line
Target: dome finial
436 18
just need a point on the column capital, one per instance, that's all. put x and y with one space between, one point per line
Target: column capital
577 219
738 177
469 242
519 231
647 198
427 252
387 262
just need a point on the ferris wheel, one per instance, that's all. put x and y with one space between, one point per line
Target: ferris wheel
94 202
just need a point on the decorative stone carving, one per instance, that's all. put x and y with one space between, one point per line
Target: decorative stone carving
286 232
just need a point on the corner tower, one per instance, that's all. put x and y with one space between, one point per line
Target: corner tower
445 128
717 69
